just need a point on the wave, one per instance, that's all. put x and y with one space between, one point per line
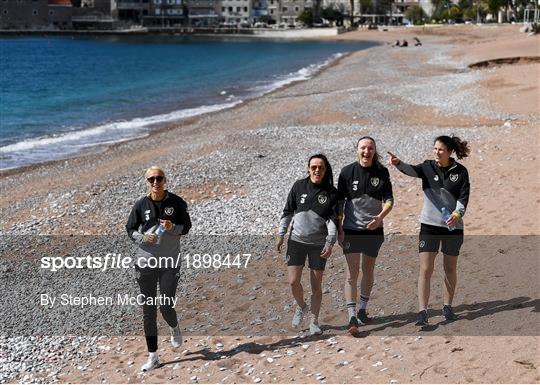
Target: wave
66 144
59 146
302 74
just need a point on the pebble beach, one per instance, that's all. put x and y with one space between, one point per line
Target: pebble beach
235 168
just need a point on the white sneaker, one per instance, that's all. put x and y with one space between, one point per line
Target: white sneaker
152 363
176 337
298 317
314 329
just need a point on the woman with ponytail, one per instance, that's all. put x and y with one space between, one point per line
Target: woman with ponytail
311 212
446 187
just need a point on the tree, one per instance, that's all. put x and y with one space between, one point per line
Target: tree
306 17
383 6
440 8
316 9
493 6
366 6
415 14
331 14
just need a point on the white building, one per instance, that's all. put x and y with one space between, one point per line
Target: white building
236 11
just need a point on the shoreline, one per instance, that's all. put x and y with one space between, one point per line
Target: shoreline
176 124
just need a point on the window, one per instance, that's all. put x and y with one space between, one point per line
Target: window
296 9
237 9
230 9
271 12
222 9
245 9
178 2
158 11
285 9
157 1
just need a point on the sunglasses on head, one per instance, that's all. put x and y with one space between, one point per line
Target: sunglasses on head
153 179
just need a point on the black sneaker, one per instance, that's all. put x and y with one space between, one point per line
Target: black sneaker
363 317
448 313
422 319
353 326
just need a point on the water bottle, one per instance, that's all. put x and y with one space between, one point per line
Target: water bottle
159 232
446 214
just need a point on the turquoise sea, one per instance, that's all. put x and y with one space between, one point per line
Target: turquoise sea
62 95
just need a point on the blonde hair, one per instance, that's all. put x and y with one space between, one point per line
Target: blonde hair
154 168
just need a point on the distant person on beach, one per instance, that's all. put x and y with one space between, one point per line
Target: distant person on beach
446 193
311 210
417 42
396 44
365 198
405 43
155 224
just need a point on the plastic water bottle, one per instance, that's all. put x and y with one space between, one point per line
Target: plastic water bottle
446 214
159 232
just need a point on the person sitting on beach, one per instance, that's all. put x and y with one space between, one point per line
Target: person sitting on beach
396 44
312 209
155 224
365 198
446 193
404 43
417 42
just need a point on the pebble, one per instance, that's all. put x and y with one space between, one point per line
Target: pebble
240 167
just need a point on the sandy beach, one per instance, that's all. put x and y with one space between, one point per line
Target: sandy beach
235 167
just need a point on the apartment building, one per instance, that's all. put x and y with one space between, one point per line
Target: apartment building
236 11
24 14
203 13
165 13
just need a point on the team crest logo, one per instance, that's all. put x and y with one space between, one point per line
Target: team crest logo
454 177
322 199
374 182
347 246
436 178
422 244
169 210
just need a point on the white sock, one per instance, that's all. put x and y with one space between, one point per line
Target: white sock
351 309
153 356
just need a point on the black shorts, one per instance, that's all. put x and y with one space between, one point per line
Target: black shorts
297 253
431 238
367 242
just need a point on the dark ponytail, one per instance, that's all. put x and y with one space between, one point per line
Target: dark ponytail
455 144
328 180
